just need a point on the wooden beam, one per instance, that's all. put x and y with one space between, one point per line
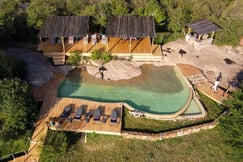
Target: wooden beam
63 45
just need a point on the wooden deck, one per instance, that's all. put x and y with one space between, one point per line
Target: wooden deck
115 45
205 88
91 126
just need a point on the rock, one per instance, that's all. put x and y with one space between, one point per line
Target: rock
97 62
63 69
38 68
116 70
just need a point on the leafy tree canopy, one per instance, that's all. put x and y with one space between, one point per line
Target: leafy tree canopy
17 108
41 9
8 10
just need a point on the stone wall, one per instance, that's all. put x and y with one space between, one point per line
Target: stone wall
168 134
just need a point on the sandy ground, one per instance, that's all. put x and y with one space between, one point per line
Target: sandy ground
210 59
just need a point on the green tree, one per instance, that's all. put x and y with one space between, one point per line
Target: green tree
179 14
10 67
119 7
76 7
39 10
8 10
150 8
103 11
232 123
17 108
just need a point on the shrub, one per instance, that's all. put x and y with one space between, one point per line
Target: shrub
105 56
74 59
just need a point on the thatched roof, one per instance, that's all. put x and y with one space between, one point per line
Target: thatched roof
130 26
203 26
64 26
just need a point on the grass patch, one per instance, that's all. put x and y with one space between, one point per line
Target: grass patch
149 125
203 146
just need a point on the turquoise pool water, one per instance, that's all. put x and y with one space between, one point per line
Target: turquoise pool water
159 90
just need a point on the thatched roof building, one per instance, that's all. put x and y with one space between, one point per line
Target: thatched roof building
203 26
64 26
131 26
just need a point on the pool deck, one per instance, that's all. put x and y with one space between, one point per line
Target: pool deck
205 88
91 126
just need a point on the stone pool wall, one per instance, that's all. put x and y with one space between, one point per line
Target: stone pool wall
169 134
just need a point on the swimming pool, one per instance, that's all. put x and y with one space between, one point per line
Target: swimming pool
159 90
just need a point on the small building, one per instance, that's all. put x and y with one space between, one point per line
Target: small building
201 33
58 34
130 34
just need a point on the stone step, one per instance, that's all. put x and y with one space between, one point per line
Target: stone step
146 58
197 79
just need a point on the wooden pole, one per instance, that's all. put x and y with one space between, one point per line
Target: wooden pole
130 46
212 35
41 43
107 46
152 45
189 30
199 37
63 45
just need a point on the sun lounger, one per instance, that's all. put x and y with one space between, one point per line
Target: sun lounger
78 113
97 115
66 112
114 116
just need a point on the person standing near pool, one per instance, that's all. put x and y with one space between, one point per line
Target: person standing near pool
214 87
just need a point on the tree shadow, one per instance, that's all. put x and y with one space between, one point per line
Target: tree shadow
237 80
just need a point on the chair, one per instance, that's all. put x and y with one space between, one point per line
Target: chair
97 115
86 39
70 40
78 113
93 39
114 116
104 39
66 112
